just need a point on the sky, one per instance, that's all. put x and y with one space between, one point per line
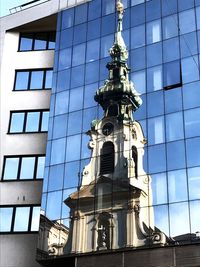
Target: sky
5 5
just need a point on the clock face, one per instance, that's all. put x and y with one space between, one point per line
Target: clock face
107 128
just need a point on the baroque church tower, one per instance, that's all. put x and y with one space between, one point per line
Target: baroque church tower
112 209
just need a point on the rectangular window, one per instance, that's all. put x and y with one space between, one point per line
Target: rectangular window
36 79
23 167
29 121
37 41
172 75
19 219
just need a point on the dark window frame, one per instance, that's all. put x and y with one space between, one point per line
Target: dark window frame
14 215
20 157
45 70
173 85
41 111
34 35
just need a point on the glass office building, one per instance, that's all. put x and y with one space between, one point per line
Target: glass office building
163 39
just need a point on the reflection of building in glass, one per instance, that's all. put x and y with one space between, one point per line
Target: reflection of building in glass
163 39
106 211
52 237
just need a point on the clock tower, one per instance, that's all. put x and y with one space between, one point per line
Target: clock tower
112 209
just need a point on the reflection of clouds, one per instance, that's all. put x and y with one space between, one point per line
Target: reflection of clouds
195 215
179 219
161 218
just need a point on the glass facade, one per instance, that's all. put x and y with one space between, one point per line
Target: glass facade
164 61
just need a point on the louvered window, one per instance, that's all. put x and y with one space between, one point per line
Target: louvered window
107 158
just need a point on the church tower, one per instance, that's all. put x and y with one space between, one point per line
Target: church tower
112 209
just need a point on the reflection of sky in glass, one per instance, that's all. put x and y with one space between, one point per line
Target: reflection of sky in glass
40 167
17 122
22 80
21 219
159 188
194 182
54 205
27 168
11 168
5 219
35 219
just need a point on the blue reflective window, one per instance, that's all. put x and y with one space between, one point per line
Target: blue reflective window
172 74
189 24
156 130
141 112
48 79
58 151
188 43
108 7
194 182
173 100
136 2
194 216
192 149
179 219
22 78
73 147
37 79
94 29
197 17
159 188
103 71
80 14
153 31
154 54
74 122
155 104
11 168
40 168
26 42
139 80
78 54
65 208
80 33
162 218
62 100
174 126
32 122
154 78
88 116
67 18
177 186
170 26
21 219
191 97
92 72
60 126
157 158
35 219
77 76
63 80
17 122
85 151
94 9
137 15
76 99
5 219
153 10
40 41
72 173
53 209
169 7
45 121
89 93
64 59
108 24
27 168
175 155
93 48
138 59
138 36
66 38
190 69
192 122
106 43
171 50
182 5
56 174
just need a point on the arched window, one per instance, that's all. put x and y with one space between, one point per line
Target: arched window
113 110
107 158
135 159
103 238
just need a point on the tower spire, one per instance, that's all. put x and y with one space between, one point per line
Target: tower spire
118 96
